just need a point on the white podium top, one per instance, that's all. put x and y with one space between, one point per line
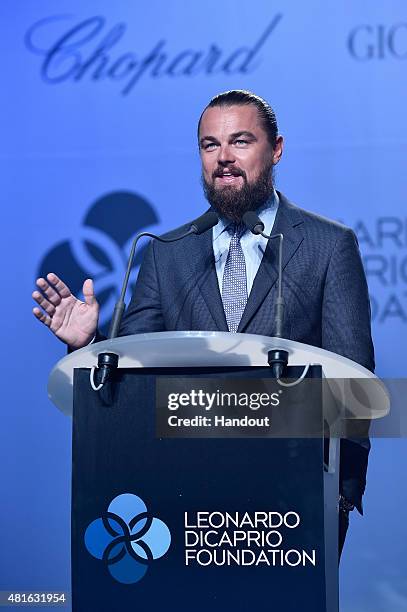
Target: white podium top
218 349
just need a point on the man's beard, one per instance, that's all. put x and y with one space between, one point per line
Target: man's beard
232 203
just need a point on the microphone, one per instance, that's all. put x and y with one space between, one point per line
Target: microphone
108 362
277 358
202 223
253 222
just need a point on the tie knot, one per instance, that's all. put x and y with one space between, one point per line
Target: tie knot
236 230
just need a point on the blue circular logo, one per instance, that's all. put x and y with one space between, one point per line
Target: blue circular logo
100 248
127 538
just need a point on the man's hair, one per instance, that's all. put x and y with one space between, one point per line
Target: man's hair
241 97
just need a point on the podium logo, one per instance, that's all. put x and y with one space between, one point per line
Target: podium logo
127 538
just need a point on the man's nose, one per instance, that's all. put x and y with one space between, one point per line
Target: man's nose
225 155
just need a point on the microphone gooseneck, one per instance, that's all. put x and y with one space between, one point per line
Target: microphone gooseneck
107 361
197 227
277 358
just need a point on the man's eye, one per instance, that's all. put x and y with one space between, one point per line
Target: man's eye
209 146
240 142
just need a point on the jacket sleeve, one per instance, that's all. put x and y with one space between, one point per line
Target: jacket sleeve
346 306
346 331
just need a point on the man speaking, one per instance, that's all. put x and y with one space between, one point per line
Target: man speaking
225 279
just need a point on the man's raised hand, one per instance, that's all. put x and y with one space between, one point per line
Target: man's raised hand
71 320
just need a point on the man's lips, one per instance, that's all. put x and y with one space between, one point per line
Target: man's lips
227 176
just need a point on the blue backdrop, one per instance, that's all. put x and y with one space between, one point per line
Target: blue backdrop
98 140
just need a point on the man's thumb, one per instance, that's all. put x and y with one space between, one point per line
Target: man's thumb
89 292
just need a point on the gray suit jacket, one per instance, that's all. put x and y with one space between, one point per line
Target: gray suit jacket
324 287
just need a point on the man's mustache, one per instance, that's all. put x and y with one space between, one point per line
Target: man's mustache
219 172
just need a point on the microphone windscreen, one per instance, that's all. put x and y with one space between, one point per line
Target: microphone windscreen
204 222
253 222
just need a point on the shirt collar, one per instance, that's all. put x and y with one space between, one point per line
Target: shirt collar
263 212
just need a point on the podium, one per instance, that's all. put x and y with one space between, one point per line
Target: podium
203 516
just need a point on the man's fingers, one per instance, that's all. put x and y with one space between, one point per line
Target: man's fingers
41 316
89 292
59 285
48 290
44 303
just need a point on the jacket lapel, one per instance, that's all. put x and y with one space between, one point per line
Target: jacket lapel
288 222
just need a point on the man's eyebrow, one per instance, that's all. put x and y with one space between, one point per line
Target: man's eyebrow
244 133
210 138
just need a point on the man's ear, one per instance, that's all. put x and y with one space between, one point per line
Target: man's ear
278 149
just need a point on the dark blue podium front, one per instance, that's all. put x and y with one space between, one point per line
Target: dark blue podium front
116 452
